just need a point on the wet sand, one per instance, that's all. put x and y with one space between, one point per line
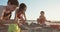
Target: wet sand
33 29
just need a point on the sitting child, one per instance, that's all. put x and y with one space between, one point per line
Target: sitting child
41 19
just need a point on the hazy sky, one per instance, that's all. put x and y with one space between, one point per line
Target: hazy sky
51 8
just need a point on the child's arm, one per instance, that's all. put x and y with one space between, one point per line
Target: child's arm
16 17
45 19
2 14
25 16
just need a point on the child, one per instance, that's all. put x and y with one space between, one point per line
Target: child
20 14
11 6
41 19
21 17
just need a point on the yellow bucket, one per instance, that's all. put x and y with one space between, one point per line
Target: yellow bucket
13 28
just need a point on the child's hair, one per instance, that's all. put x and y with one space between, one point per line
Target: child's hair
42 12
13 2
21 7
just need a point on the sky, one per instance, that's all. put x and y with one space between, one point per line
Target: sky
50 7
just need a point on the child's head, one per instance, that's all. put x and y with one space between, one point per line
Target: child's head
22 7
12 4
42 13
